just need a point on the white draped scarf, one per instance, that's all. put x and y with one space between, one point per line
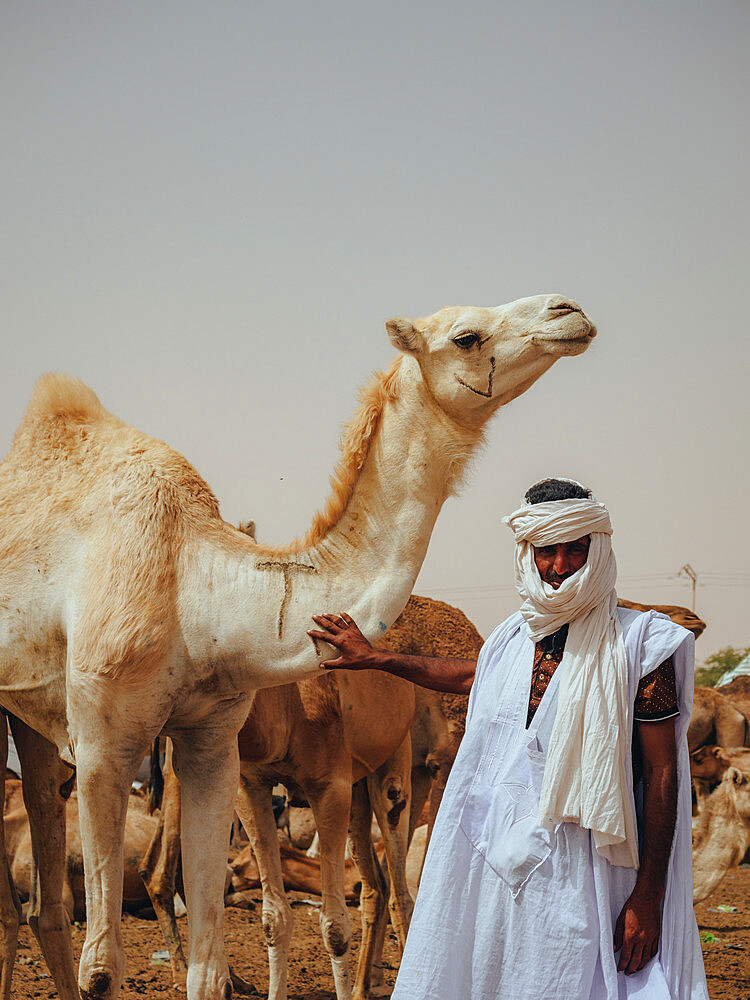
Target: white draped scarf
586 774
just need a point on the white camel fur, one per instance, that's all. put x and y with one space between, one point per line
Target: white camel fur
128 607
721 837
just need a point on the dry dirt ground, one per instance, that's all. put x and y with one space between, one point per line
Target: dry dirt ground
727 956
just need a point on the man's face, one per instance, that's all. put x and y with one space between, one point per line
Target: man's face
557 562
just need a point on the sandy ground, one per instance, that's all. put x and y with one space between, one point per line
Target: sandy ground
727 957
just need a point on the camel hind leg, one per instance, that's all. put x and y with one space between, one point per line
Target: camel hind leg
10 908
158 869
331 806
47 784
389 789
256 812
373 901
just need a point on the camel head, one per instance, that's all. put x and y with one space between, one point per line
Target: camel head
709 763
738 785
474 360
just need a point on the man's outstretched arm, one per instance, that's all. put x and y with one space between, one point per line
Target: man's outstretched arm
638 926
356 653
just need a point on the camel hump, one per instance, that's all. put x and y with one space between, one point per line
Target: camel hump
58 395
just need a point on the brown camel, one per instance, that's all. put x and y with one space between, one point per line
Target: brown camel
301 874
681 616
738 688
317 737
433 628
722 833
709 763
139 831
715 720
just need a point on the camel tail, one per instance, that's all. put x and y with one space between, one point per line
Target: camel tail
155 780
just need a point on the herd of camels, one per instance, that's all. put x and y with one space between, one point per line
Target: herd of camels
130 610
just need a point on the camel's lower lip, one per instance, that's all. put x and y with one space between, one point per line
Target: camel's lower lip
554 338
552 344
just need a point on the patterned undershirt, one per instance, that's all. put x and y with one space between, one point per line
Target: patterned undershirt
655 700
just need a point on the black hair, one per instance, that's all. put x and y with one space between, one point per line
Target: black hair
556 489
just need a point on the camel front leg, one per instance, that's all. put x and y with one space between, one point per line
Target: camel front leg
373 899
105 774
206 762
255 809
390 789
47 783
10 908
331 807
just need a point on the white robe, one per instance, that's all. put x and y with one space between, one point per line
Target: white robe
509 911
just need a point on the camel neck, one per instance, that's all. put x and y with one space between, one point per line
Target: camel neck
413 464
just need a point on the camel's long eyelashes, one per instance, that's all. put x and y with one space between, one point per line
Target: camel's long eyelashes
468 340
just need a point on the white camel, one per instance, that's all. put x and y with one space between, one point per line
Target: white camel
128 607
721 837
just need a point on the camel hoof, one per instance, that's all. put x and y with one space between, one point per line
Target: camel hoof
98 987
241 988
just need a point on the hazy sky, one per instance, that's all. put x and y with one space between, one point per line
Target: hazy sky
209 210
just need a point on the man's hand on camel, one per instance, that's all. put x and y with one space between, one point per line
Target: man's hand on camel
341 631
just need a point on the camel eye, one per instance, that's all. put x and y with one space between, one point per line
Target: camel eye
467 340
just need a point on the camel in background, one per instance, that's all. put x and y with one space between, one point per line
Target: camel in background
301 874
128 606
139 831
715 720
679 615
433 628
709 763
721 836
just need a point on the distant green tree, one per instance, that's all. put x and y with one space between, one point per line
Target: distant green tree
718 663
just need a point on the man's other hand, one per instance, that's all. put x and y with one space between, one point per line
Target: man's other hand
341 631
637 930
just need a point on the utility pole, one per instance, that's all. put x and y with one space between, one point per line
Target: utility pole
688 570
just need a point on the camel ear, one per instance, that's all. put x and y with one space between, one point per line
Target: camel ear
404 335
735 776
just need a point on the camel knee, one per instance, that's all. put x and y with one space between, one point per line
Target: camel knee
371 903
336 931
395 801
277 923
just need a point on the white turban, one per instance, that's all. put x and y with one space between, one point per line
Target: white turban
586 774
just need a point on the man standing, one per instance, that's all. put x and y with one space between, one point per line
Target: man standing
560 864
